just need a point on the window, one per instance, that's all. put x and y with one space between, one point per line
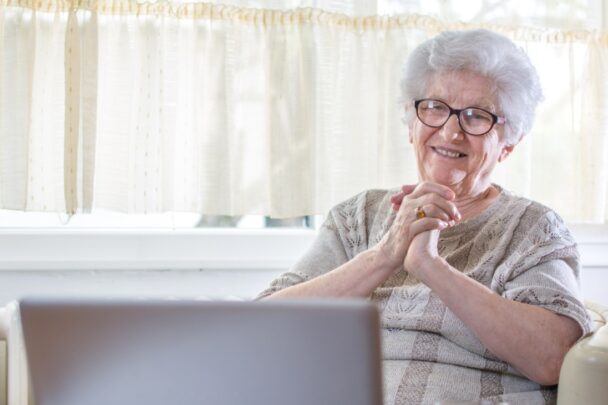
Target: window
333 125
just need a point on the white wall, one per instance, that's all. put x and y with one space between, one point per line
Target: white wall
595 284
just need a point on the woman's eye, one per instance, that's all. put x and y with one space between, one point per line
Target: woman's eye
435 107
477 115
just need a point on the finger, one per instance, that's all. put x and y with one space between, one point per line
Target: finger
438 207
405 190
426 224
434 211
408 188
397 198
447 206
428 187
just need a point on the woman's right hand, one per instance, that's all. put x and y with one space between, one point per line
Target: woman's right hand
435 200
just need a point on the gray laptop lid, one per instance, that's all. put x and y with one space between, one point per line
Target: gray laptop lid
93 352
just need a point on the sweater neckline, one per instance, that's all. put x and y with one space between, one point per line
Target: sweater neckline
479 219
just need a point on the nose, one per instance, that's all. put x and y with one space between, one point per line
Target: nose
451 131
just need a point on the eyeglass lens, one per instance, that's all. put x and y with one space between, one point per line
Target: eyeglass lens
472 120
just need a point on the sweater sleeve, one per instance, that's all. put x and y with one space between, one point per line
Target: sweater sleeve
342 236
545 270
325 254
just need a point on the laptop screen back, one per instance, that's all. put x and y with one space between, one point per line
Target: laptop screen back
94 352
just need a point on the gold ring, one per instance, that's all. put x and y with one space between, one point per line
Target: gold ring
420 213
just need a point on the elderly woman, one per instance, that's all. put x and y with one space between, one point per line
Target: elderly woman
478 288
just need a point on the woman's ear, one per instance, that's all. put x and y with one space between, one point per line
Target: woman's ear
507 148
506 151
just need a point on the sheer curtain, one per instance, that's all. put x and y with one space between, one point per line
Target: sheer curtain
251 109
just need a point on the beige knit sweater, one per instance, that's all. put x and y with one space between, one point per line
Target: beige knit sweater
517 247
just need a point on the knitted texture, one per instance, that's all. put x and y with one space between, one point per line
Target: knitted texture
518 248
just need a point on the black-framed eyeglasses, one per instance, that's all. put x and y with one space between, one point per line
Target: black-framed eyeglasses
472 120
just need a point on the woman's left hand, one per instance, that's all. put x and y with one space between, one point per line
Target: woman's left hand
422 254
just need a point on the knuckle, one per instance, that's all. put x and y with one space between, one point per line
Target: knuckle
423 185
435 199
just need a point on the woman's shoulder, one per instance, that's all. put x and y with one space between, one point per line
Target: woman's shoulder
362 211
533 217
365 202
352 220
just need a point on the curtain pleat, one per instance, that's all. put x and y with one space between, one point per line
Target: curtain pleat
147 108
72 113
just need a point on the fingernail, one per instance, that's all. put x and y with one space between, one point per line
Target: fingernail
452 223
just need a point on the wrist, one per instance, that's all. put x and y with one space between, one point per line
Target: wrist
434 270
381 260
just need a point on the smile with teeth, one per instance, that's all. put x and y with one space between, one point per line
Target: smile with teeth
447 153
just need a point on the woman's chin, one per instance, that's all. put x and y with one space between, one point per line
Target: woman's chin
451 180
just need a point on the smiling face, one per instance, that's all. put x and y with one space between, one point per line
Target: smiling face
447 155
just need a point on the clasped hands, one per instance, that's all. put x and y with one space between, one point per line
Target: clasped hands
412 241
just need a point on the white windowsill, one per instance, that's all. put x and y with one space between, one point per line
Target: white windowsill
166 249
151 249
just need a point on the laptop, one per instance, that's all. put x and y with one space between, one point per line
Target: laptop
152 352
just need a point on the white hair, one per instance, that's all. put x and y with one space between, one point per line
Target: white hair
517 86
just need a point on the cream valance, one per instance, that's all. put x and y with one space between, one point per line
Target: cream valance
154 107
